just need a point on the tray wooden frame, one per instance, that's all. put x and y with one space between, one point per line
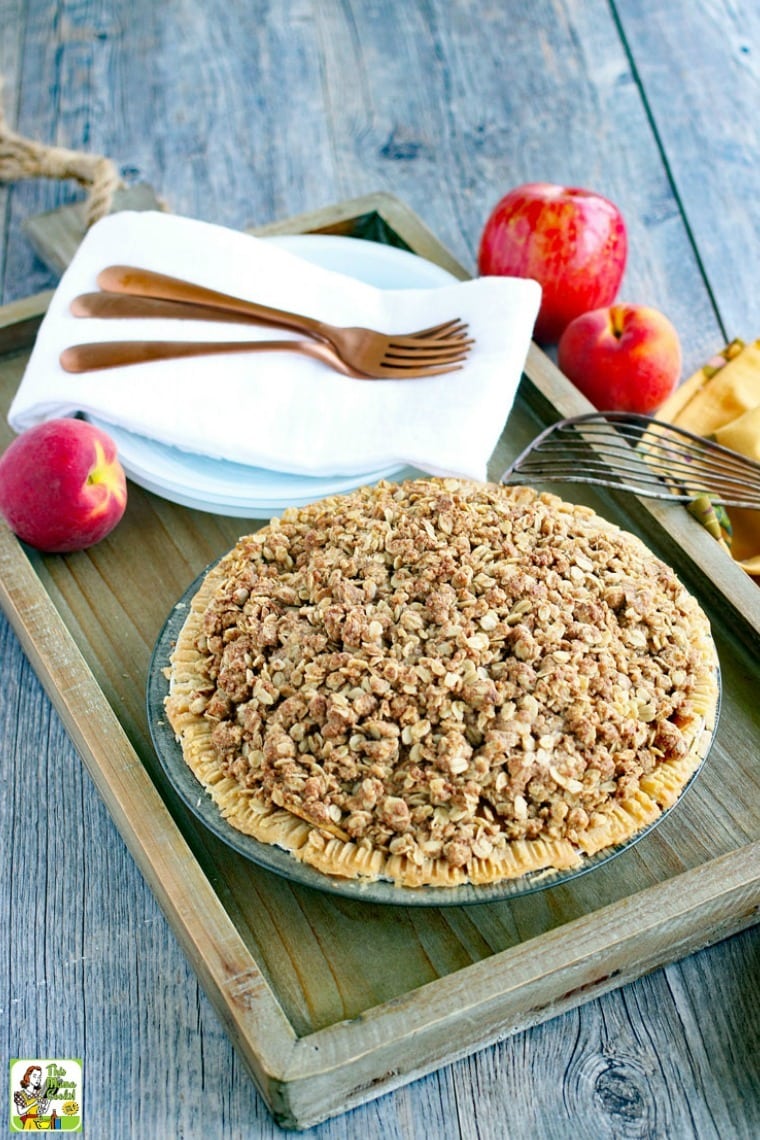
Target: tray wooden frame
672 906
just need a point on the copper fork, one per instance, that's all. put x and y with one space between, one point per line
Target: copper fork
431 351
99 355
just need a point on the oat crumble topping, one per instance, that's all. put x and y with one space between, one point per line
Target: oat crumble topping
439 668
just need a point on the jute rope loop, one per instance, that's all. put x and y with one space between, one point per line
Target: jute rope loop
24 158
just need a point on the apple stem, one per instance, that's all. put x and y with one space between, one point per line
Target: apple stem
617 314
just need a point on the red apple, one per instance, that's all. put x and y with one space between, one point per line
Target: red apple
62 486
626 358
572 241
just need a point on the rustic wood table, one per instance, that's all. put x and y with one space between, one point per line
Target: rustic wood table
243 113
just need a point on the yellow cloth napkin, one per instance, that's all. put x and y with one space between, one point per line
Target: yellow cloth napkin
722 400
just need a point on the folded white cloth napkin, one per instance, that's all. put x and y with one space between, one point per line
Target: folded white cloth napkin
281 411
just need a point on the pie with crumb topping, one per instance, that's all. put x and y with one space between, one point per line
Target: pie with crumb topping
441 682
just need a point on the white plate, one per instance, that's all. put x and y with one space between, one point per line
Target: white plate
220 487
384 266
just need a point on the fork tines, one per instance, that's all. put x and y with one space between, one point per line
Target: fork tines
640 454
424 353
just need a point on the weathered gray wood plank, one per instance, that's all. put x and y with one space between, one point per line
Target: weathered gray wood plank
699 71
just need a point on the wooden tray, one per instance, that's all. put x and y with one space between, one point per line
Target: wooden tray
332 1002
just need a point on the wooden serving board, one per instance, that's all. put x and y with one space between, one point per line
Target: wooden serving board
332 1001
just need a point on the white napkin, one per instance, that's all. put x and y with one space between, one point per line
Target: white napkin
281 411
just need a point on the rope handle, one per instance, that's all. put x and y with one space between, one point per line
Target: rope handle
24 158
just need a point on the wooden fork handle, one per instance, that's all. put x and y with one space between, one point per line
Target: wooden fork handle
146 283
117 353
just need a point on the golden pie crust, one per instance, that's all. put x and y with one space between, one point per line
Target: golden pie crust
442 682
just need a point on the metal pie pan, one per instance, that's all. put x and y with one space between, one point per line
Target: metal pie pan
283 863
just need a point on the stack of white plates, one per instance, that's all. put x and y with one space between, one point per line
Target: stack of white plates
250 492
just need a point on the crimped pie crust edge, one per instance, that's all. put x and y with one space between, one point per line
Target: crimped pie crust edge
616 822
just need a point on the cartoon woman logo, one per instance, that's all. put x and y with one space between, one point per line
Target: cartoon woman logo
32 1102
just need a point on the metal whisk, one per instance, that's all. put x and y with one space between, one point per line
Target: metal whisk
638 453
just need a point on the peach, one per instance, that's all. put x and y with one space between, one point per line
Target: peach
625 358
62 487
